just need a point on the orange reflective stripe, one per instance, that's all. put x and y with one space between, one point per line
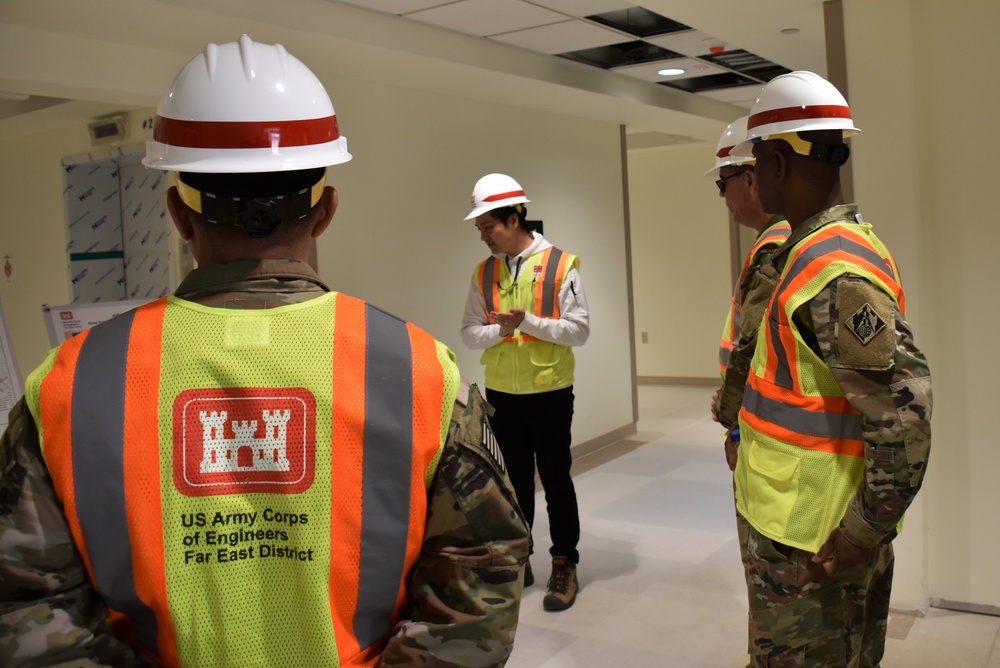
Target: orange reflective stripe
142 475
809 421
347 453
56 394
488 277
850 447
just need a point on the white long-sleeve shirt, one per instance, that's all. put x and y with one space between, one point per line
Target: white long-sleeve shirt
571 328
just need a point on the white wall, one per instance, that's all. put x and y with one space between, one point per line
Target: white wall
399 238
680 261
33 233
923 173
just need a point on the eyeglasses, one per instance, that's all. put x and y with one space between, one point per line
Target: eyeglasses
722 182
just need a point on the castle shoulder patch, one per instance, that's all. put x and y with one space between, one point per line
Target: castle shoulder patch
866 326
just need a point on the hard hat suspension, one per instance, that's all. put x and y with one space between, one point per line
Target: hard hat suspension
257 215
836 154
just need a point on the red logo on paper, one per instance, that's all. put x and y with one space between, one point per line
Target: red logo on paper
244 440
66 315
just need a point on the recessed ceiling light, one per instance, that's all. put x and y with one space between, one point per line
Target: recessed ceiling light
671 72
789 31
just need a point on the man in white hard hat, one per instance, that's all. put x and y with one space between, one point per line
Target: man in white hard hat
526 309
738 187
835 418
227 478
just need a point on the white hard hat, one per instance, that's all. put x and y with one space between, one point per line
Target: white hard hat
734 133
494 191
245 107
797 102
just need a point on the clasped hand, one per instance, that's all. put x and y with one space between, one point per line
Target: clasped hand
508 321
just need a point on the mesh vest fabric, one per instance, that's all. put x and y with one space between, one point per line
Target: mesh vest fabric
802 453
524 364
269 495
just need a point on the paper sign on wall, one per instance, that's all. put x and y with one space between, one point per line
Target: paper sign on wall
66 321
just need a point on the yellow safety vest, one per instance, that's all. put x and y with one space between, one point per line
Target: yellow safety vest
801 454
524 364
242 493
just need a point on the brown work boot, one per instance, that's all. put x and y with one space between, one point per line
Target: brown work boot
562 585
529 577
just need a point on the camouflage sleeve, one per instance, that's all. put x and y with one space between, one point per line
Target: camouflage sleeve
467 582
869 346
50 615
758 284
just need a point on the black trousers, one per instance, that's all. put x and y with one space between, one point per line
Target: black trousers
534 429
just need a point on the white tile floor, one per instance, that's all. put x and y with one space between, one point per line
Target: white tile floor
660 574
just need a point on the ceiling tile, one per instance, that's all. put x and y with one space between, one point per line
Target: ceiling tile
561 37
398 7
580 8
688 42
657 139
487 17
649 71
741 96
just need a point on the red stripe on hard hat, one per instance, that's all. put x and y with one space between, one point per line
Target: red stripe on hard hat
245 134
799 114
512 193
724 152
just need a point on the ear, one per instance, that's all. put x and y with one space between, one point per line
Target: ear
324 213
180 213
781 163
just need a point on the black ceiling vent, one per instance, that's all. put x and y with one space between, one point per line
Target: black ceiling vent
747 63
638 21
616 55
710 82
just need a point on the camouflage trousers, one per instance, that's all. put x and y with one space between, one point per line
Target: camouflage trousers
801 618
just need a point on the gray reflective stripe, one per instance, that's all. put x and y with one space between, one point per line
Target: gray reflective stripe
801 421
549 283
489 279
723 356
385 519
782 373
98 423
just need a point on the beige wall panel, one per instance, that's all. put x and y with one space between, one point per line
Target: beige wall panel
680 261
921 176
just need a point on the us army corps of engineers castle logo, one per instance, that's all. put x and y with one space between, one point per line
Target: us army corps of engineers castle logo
244 440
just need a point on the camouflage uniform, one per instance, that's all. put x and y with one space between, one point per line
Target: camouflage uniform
798 615
466 585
